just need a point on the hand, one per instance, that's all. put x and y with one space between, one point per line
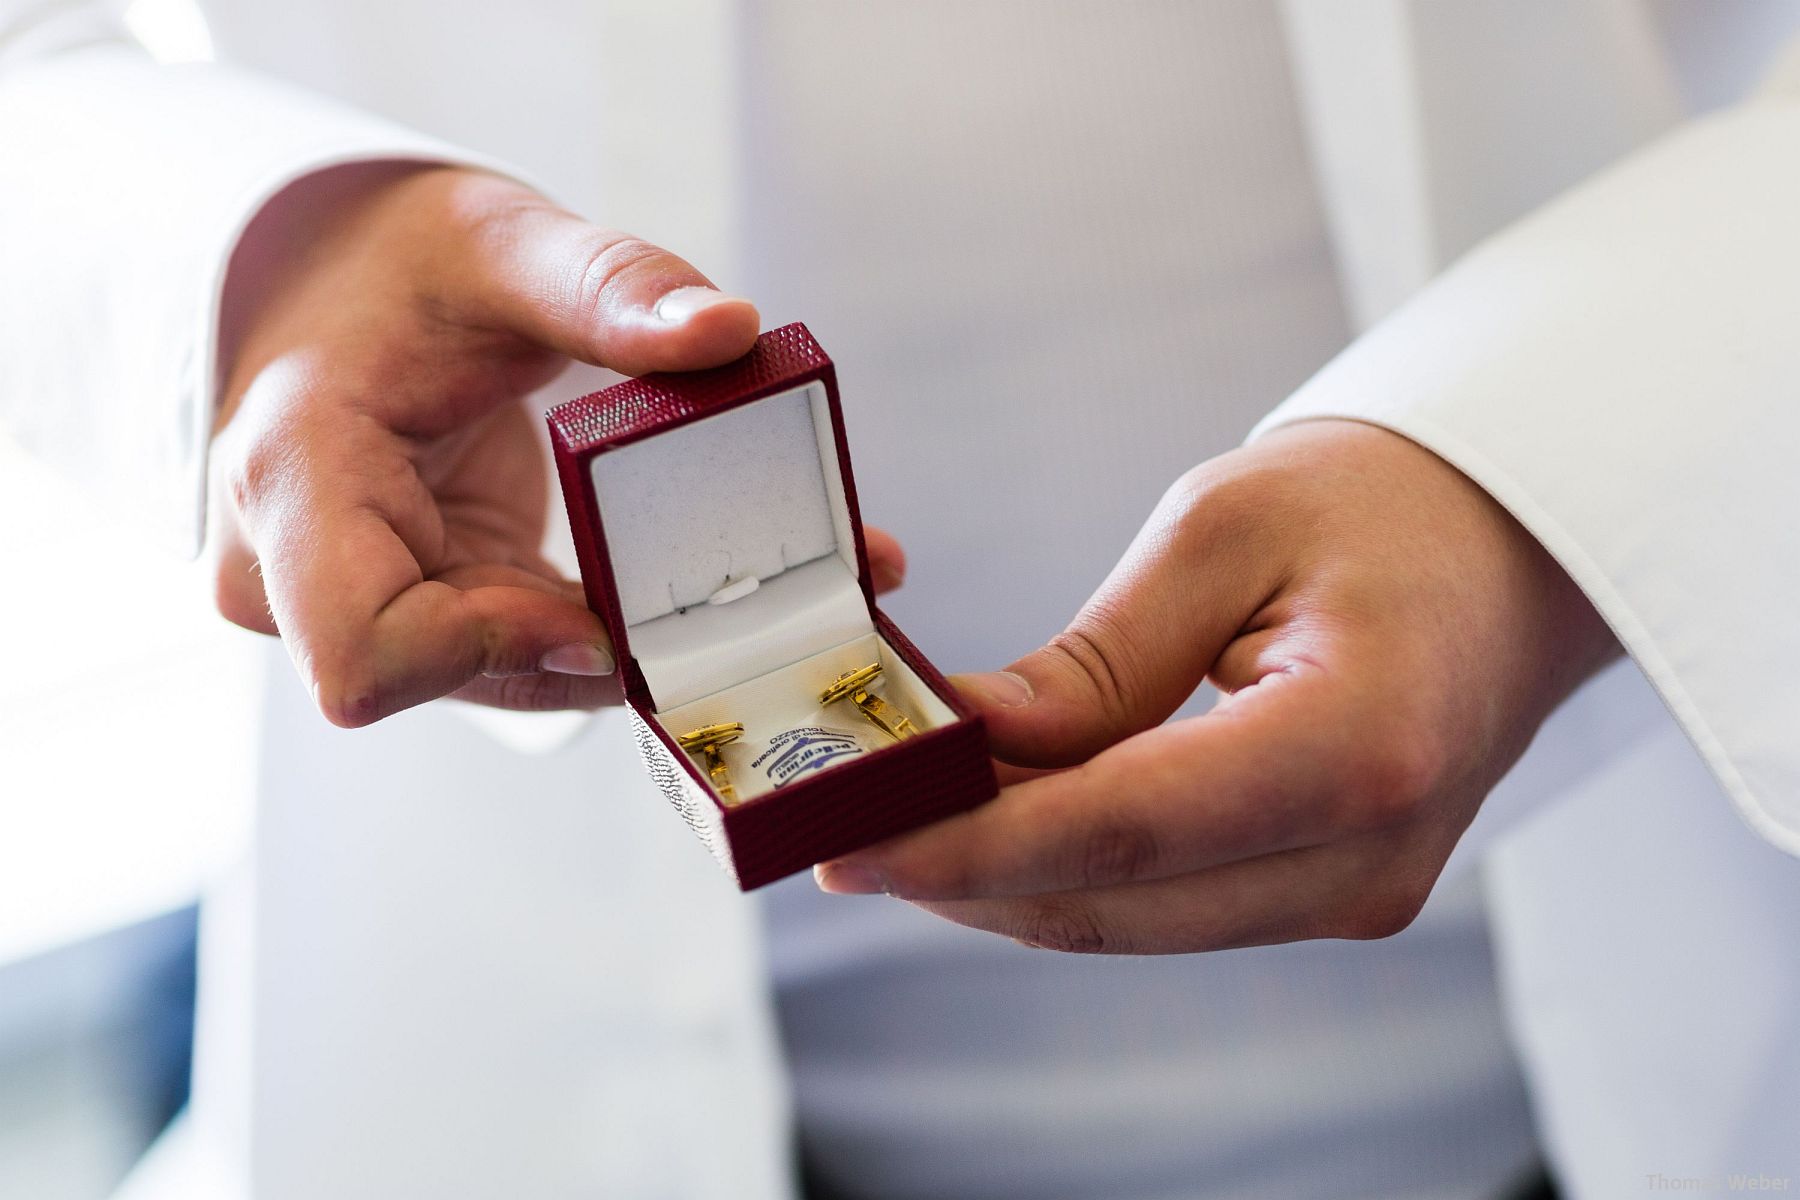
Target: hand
385 488
1387 640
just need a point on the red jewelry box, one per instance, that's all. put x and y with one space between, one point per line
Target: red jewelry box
716 523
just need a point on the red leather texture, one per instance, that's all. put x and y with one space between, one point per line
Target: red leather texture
875 796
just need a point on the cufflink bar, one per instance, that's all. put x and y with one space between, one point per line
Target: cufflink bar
707 742
854 687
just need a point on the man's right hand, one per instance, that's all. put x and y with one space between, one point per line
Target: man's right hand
383 485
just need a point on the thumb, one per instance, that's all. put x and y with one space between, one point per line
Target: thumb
1137 650
599 295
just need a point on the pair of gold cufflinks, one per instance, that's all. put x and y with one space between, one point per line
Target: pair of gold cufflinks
709 740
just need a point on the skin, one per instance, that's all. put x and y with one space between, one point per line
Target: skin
1386 637
382 486
1387 640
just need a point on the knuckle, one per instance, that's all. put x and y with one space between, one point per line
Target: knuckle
913 879
485 215
346 697
608 261
1066 926
1186 499
1228 518
483 209
1383 912
530 693
251 474
239 598
1205 500
271 457
348 709
917 876
1390 780
1115 850
1091 658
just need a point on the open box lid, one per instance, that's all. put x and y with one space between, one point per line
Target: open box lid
715 518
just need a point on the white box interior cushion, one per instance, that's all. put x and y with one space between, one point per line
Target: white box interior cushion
754 492
687 655
787 698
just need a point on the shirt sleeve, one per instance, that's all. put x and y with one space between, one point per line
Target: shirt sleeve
1621 371
124 187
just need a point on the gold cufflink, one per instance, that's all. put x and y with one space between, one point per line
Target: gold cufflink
706 742
854 686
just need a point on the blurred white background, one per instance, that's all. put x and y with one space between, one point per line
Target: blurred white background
127 715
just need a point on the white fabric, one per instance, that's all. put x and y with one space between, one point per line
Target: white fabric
1424 141
1362 112
135 283
515 976
703 650
404 1022
1528 366
1673 920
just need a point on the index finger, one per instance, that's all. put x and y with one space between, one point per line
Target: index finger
371 635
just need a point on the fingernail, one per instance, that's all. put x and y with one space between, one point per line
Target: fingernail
683 304
578 658
887 578
1008 689
849 879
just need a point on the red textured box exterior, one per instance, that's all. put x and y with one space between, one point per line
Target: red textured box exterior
936 774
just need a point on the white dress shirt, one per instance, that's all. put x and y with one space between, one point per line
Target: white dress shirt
1059 309
435 974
